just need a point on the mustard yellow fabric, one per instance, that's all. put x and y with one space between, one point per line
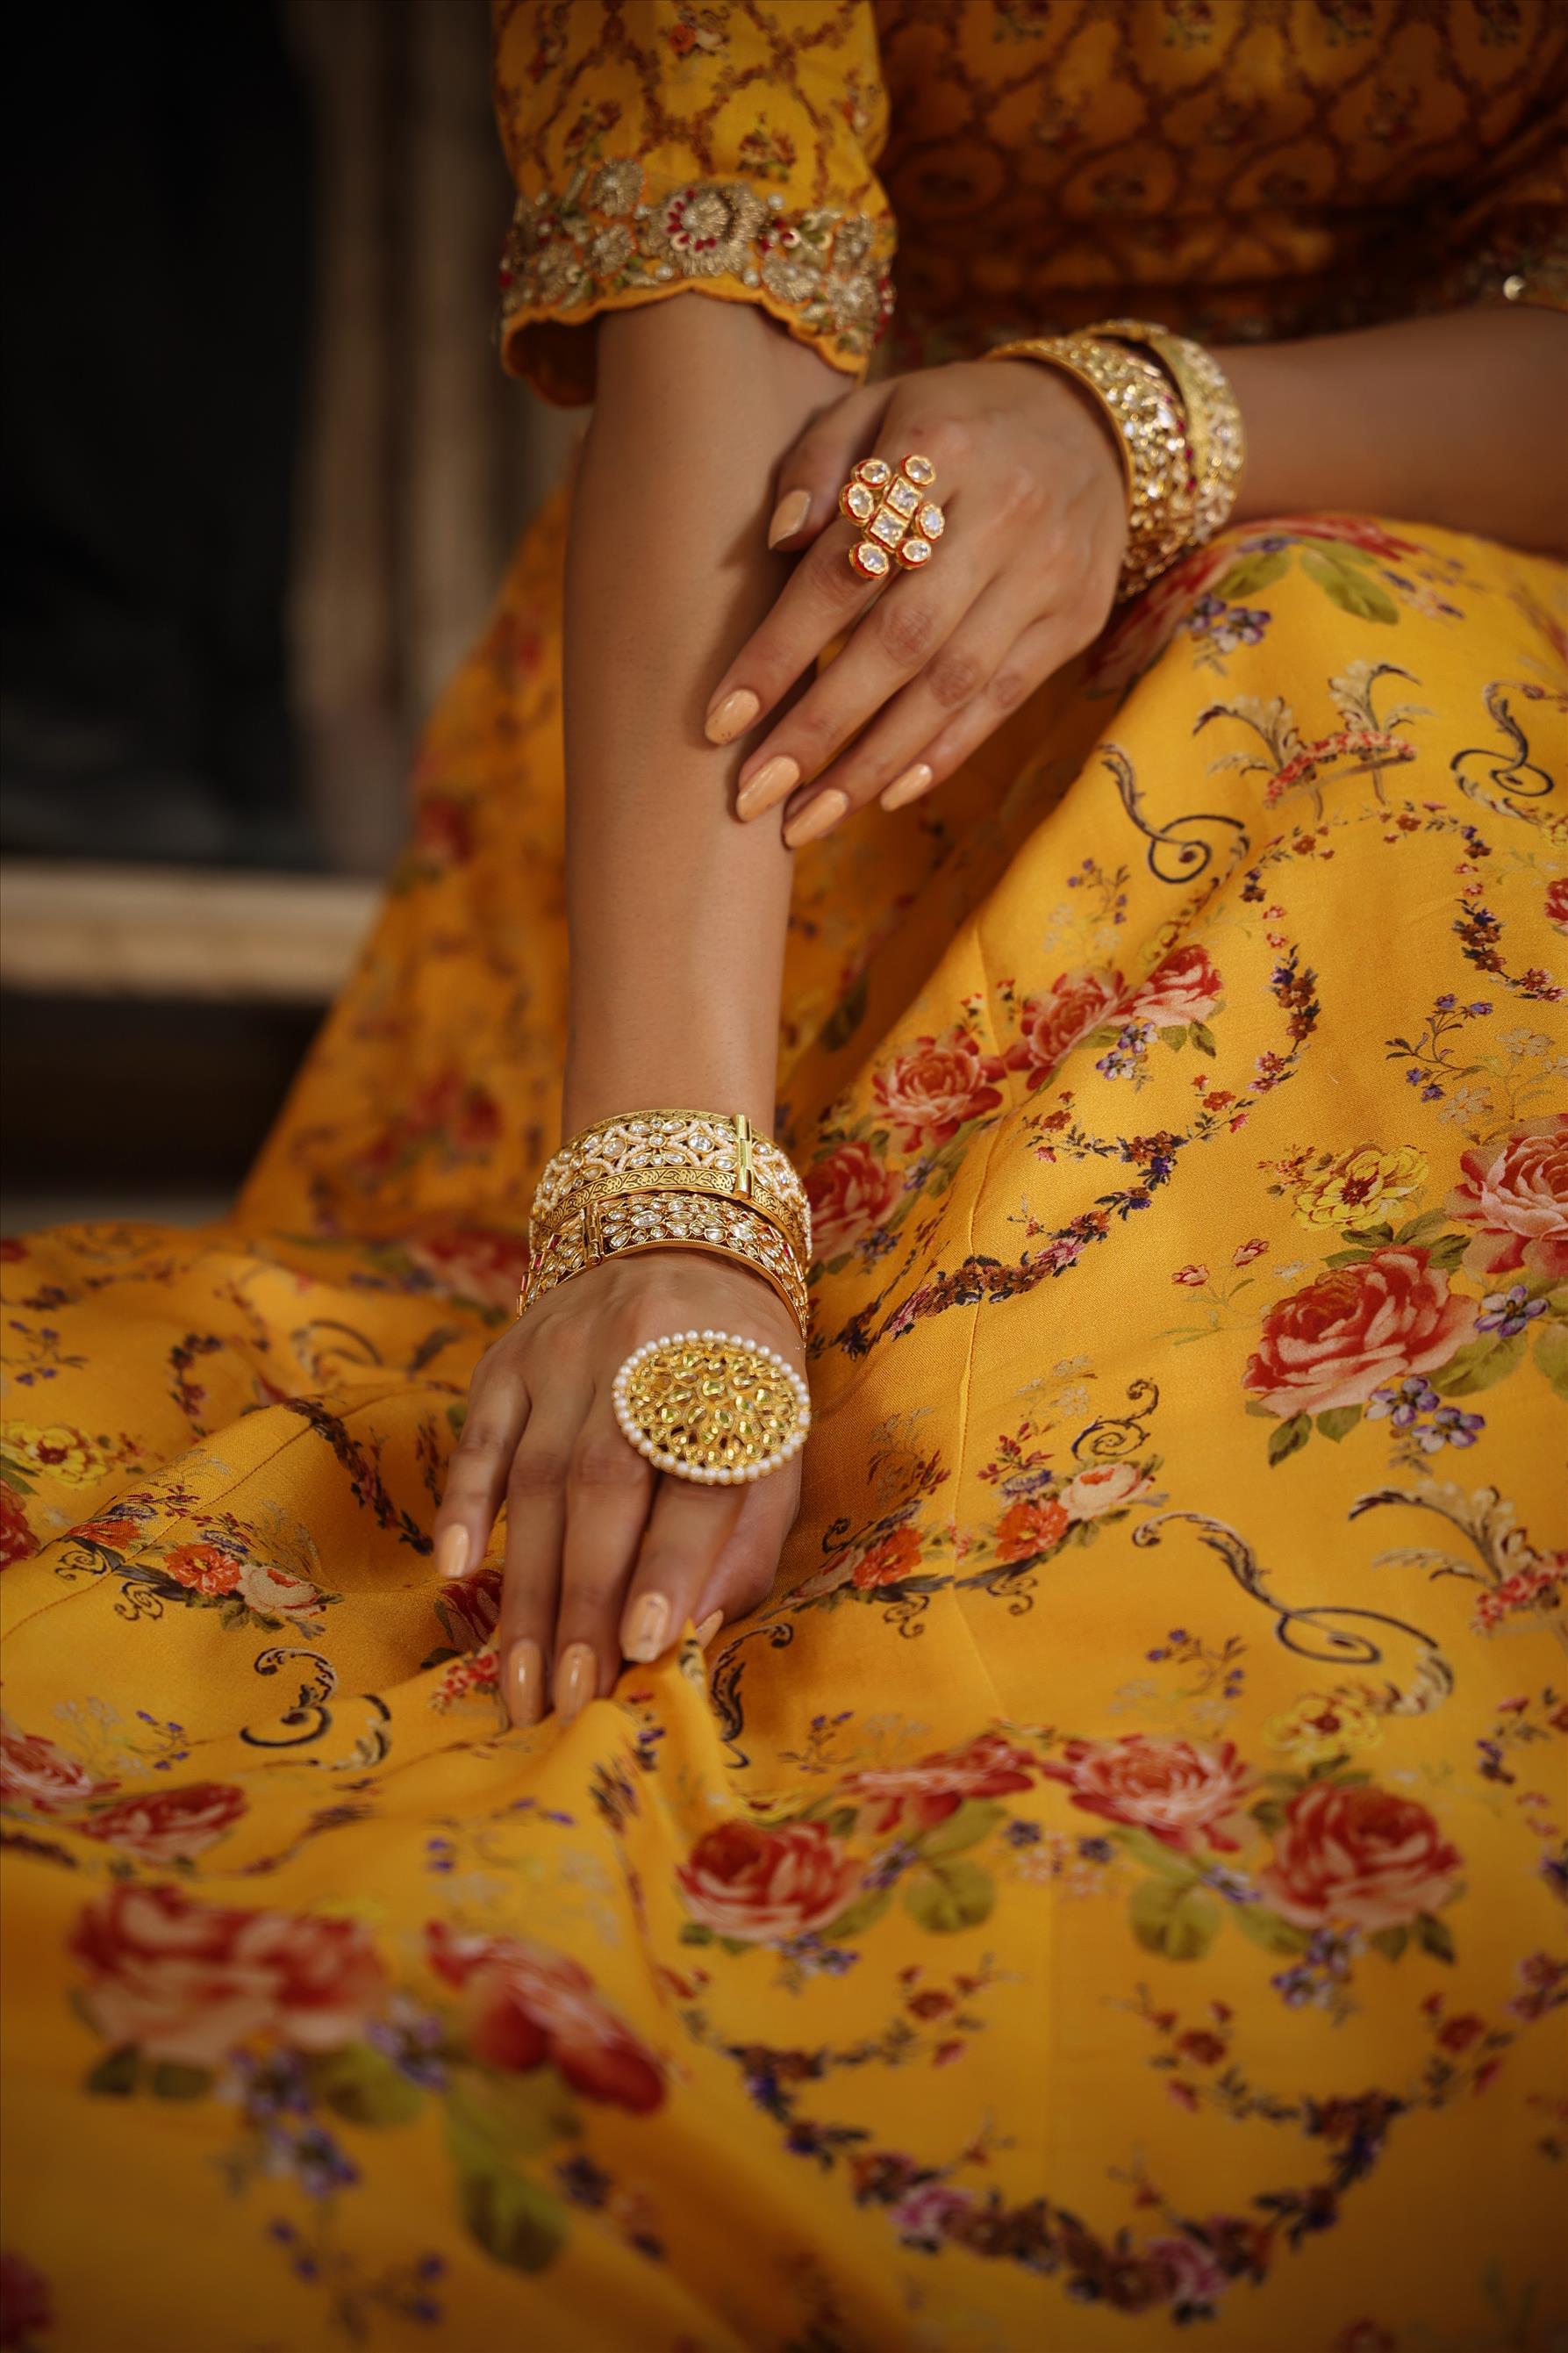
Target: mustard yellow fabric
1115 1883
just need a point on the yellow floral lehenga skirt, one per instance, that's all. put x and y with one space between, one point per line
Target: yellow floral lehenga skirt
1117 1879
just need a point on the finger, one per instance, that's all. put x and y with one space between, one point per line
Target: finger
687 1532
812 474
742 1576
535 1526
1040 653
476 1476
984 673
609 1489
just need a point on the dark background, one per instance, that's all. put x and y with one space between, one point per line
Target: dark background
261 473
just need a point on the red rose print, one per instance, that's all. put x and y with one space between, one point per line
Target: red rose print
1188 2272
34 1772
188 1981
1027 1527
1557 904
475 1602
474 1263
932 1088
1458 2033
892 1558
1357 1855
1245 1252
205 1567
526 2004
916 1796
18 1541
1050 1026
850 1193
1191 1277
1355 1328
1182 1794
1185 987
761 1885
1518 1201
443 831
167 1826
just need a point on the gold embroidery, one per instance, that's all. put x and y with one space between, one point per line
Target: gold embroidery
604 234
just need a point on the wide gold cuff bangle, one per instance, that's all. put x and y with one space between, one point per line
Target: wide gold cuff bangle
1215 430
662 1220
684 1151
1144 412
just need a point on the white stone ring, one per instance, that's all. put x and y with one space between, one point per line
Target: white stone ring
712 1407
894 514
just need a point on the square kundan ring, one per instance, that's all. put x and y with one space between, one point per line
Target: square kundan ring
894 514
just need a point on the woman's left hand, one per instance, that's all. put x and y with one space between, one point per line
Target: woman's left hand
1029 477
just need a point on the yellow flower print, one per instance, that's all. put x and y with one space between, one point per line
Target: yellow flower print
1360 1187
1327 1724
57 1452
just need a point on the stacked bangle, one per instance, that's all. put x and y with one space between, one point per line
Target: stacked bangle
1214 421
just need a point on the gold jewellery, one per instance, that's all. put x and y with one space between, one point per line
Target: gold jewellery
712 1407
897 518
1177 426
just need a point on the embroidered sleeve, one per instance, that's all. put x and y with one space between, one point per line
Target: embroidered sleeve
1505 239
665 145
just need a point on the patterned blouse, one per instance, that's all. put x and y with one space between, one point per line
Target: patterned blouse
978 169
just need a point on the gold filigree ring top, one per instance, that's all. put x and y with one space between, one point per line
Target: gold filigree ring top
899 521
712 1407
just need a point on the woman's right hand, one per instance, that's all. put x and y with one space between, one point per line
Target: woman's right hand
606 1558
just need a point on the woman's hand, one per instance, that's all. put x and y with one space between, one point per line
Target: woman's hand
604 1558
1030 479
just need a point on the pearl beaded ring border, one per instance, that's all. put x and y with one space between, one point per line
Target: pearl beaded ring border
786 1380
897 520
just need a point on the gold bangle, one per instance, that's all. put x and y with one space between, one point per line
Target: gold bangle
1145 414
627 1223
690 1151
1214 429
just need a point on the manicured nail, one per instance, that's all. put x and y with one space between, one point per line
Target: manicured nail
773 780
644 1638
704 1633
452 1552
817 818
732 716
576 1676
788 515
907 788
524 1683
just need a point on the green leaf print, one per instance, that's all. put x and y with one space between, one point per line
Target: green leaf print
1338 1420
947 1896
508 2115
1479 1365
854 1921
116 2075
847 1016
1201 1037
1435 1936
170 2081
513 2219
1289 1437
1551 1355
972 1821
363 2086
1390 1942
1347 589
1175 1036
1179 1922
1156 1856
1251 573
1267 1929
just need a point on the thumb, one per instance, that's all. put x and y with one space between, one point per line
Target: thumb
812 474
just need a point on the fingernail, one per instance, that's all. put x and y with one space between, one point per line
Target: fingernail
773 780
644 1638
732 716
907 788
576 1676
704 1633
524 1682
788 516
817 818
452 1552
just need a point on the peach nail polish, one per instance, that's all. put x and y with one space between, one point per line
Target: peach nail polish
452 1552
646 1623
907 788
788 516
524 1683
732 716
704 1633
576 1677
817 818
773 780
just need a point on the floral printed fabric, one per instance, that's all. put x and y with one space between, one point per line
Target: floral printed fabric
1117 1880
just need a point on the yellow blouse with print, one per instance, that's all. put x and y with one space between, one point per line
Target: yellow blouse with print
1265 168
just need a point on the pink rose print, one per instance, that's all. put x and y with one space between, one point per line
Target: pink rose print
168 1825
1355 1328
915 1796
1517 1202
1185 987
939 1084
850 1193
527 2005
1182 1794
34 1772
1187 2271
761 1885
188 1981
1245 1252
1106 1487
925 2212
1193 1277
1050 1026
1357 1855
273 1592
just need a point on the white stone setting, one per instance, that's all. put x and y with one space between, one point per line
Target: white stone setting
915 552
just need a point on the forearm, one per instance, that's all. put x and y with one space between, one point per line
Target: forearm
676 913
1454 420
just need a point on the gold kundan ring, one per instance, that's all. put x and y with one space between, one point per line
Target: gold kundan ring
712 1407
897 518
